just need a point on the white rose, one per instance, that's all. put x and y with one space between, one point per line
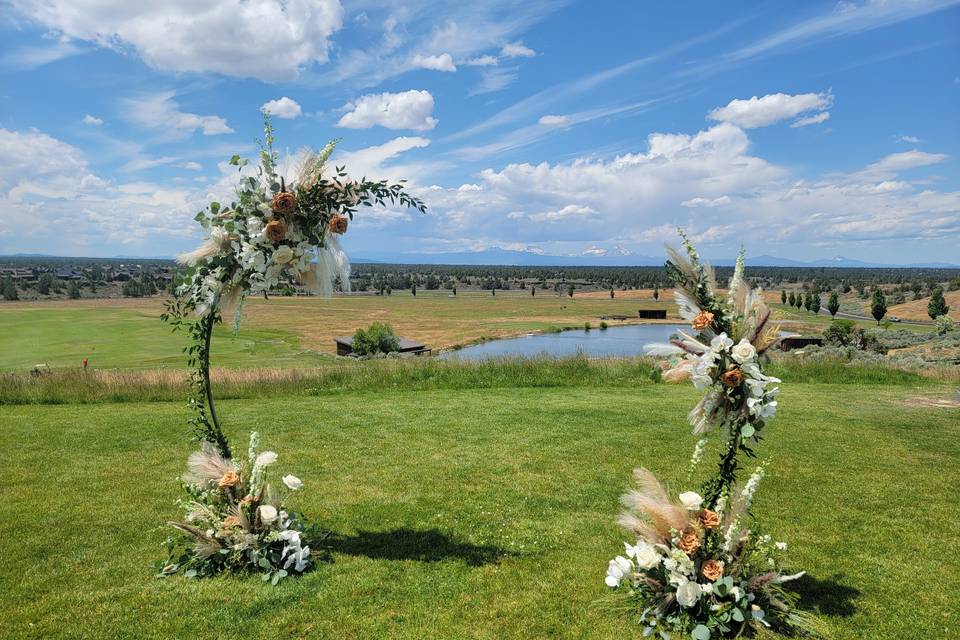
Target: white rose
266 458
743 352
293 482
618 569
644 555
283 254
688 593
691 500
267 513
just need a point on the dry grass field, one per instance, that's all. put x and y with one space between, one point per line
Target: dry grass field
128 333
917 309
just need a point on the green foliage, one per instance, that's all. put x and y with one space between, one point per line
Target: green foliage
783 296
603 324
944 325
586 326
845 333
878 306
8 289
377 338
834 304
45 283
793 298
938 305
73 290
570 290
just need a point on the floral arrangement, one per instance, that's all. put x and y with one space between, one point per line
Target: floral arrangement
280 228
236 519
701 566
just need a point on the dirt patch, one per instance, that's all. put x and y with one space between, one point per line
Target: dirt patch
940 402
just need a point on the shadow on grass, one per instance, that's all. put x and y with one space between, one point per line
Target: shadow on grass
430 545
829 597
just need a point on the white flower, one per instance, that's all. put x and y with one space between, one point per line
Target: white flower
743 352
721 342
299 557
644 555
691 500
268 513
758 614
283 254
266 458
688 593
782 546
618 569
293 482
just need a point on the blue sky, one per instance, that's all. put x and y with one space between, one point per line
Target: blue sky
801 130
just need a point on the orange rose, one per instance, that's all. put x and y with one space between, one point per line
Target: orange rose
276 230
338 224
732 378
229 479
284 203
702 320
708 519
231 521
689 541
712 570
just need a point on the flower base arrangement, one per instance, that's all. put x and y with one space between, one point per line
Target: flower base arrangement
279 229
701 566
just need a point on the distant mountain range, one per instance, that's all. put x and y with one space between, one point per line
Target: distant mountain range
611 258
592 257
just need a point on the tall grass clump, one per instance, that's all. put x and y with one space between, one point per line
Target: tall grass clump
68 386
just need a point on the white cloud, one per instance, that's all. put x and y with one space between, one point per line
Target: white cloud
369 161
772 108
903 161
823 116
161 111
554 121
565 213
442 62
272 40
909 139
192 166
707 182
407 110
481 61
492 80
32 57
694 203
517 50
92 120
284 107
50 182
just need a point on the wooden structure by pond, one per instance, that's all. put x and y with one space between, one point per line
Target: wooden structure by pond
407 347
799 342
653 314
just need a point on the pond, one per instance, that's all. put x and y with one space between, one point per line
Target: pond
624 340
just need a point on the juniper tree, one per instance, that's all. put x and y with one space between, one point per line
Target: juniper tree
938 305
834 304
783 296
793 298
878 307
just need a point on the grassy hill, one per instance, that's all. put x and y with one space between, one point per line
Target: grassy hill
473 508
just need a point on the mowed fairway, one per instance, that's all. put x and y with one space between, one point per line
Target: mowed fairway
280 331
482 513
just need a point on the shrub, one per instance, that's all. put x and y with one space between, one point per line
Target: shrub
377 338
603 324
944 325
586 326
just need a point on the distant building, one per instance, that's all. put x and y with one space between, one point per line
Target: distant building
653 314
407 346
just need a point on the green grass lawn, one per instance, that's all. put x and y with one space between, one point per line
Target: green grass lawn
480 513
